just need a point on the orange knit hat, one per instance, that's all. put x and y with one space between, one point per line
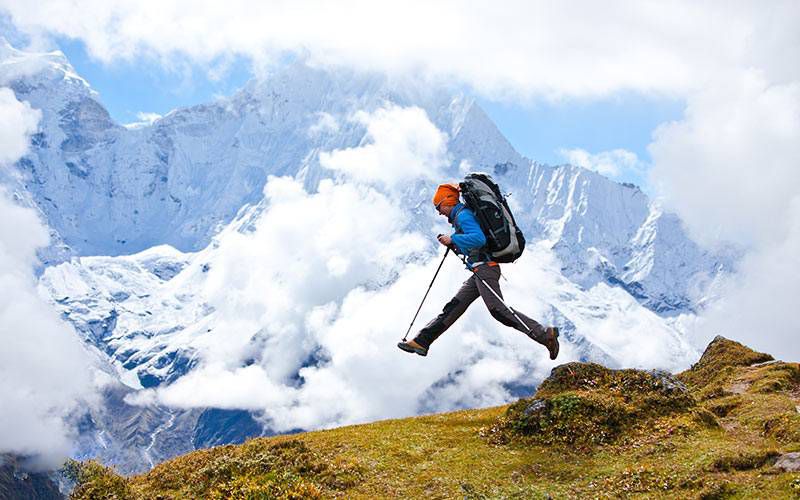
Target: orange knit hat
446 194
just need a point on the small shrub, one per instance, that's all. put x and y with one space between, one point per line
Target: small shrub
795 486
704 417
779 377
718 491
94 481
569 418
256 469
724 406
785 427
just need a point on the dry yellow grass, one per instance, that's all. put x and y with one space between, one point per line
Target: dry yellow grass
665 455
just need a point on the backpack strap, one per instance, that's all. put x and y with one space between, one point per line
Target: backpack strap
484 256
455 217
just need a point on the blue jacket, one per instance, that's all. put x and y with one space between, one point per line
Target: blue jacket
468 239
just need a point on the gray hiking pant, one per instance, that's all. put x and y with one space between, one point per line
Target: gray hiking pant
471 290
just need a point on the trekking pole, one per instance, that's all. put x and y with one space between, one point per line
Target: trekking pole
426 294
464 260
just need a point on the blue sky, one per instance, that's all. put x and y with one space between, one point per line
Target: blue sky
144 86
538 129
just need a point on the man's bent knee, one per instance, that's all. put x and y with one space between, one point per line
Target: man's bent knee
503 317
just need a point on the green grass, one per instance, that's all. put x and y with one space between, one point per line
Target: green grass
659 440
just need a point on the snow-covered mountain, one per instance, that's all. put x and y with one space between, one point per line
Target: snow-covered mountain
111 190
140 215
605 231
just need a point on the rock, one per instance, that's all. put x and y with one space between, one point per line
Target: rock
789 462
765 363
535 406
18 482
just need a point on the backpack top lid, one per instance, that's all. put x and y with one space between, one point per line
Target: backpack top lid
504 240
481 178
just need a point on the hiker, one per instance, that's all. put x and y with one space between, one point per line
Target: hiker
469 240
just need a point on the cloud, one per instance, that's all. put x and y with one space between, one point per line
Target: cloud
305 329
522 49
145 119
402 144
310 304
609 163
19 122
44 368
14 66
729 168
326 124
759 303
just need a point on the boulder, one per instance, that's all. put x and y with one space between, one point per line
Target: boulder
789 462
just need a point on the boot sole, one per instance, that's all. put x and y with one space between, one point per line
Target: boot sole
407 348
555 336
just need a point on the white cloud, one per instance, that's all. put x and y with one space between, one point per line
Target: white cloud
279 303
326 124
402 145
19 122
609 163
522 48
465 167
730 170
44 369
729 167
15 66
759 303
145 119
309 307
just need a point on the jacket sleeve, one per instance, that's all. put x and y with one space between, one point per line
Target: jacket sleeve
471 236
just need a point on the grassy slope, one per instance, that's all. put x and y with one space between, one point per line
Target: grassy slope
452 456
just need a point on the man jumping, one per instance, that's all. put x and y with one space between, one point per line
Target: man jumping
469 240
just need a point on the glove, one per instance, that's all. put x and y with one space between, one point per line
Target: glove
446 241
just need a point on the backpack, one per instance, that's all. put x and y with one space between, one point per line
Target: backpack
504 240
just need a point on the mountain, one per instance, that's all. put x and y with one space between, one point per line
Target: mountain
604 231
143 217
18 481
725 428
111 190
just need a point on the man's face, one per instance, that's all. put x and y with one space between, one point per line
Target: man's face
443 210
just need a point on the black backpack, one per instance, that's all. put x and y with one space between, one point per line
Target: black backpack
504 240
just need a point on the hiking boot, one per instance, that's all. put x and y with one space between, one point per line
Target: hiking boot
551 341
412 347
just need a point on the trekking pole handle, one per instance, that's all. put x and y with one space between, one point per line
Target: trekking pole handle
451 246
